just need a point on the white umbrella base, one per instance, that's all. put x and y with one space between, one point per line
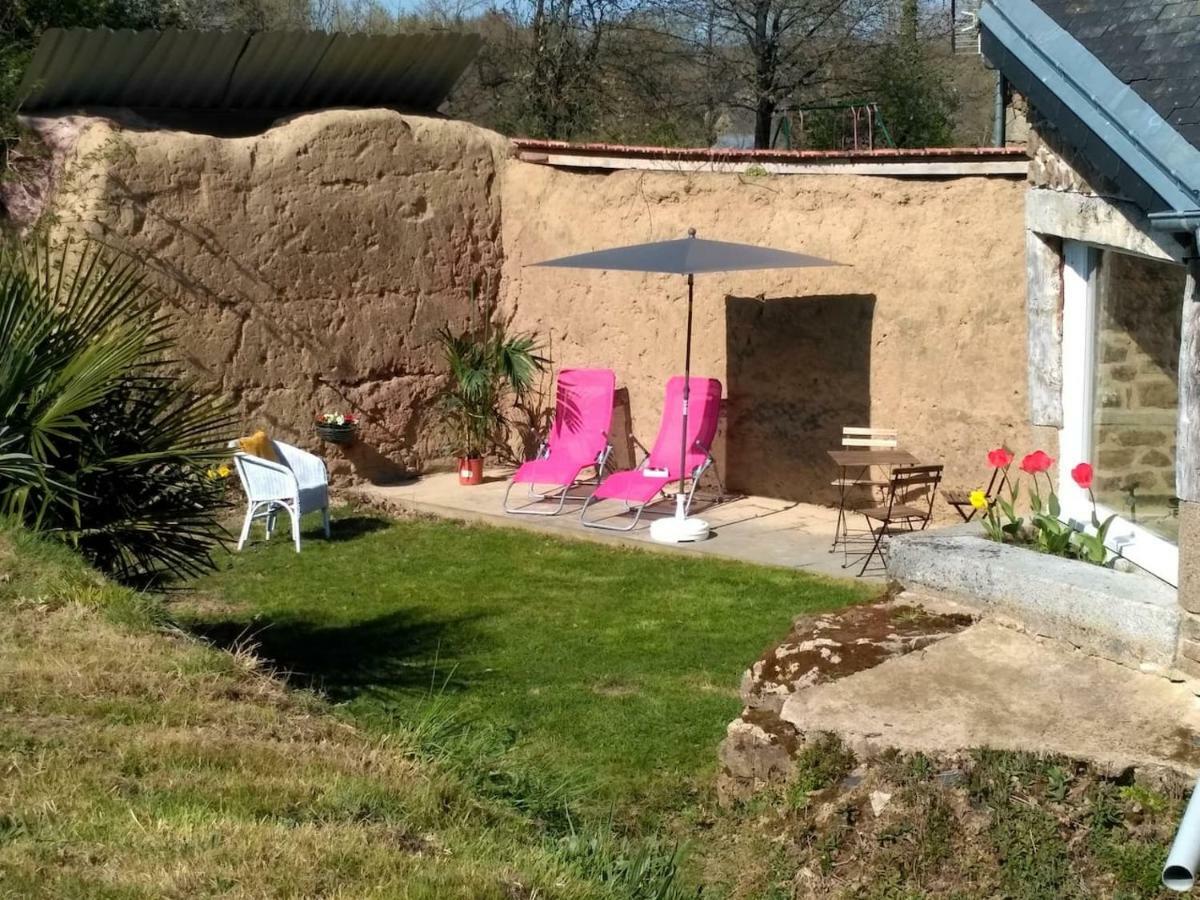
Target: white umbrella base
679 531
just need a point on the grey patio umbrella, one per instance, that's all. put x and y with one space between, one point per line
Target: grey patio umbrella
688 256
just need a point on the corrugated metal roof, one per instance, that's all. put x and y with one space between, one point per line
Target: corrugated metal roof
233 70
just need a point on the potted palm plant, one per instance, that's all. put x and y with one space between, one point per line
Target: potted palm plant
488 373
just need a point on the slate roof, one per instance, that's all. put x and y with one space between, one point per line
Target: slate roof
1151 45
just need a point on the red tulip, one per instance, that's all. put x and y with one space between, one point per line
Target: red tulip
1000 458
1037 461
1082 474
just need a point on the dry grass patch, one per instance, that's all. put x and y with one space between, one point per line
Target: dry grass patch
984 824
139 763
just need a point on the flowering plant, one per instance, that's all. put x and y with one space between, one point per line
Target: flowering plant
1000 460
1048 531
336 418
1091 545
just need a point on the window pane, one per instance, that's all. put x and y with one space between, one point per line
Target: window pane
1139 307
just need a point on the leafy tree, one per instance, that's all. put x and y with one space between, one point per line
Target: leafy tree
559 56
106 448
787 47
913 87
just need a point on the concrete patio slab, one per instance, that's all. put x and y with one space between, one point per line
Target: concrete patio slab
991 686
750 529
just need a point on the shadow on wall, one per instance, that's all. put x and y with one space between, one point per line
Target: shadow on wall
368 463
799 369
625 454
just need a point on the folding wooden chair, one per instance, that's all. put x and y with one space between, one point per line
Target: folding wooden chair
855 437
961 500
911 492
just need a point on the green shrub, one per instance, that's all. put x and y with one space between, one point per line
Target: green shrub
112 449
822 763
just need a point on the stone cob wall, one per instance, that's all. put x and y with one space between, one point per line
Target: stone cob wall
923 329
307 267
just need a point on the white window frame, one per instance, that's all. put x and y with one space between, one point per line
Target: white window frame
1149 551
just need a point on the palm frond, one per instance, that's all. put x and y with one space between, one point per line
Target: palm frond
484 373
120 446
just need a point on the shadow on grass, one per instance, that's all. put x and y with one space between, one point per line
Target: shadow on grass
402 651
348 528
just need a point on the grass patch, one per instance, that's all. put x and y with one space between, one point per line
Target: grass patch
592 666
985 824
820 764
139 763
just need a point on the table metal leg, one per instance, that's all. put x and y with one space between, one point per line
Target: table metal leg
840 526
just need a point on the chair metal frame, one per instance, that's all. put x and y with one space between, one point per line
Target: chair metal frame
564 491
903 480
694 480
858 437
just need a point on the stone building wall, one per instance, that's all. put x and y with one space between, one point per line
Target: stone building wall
1097 211
1053 165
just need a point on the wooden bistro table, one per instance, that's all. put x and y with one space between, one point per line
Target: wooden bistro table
860 462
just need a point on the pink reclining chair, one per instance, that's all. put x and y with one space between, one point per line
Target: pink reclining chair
578 440
639 487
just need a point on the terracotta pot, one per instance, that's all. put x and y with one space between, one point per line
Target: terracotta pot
470 471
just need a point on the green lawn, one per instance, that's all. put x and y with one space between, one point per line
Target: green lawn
612 668
140 764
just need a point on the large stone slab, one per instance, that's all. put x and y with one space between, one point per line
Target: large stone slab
1127 618
991 686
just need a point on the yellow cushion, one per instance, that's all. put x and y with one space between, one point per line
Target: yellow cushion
258 444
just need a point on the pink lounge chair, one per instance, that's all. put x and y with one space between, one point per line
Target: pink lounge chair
578 440
639 487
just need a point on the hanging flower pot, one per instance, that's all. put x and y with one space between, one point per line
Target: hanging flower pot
470 471
337 428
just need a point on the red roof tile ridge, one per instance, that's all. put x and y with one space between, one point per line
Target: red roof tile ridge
726 153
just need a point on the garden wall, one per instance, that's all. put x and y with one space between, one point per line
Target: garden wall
308 266
923 329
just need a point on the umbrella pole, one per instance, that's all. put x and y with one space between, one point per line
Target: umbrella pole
687 389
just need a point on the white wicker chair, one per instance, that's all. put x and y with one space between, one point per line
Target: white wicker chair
298 484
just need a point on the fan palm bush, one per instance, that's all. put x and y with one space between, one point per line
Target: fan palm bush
104 446
16 468
487 374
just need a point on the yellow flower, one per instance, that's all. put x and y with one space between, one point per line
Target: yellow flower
979 500
210 474
223 470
